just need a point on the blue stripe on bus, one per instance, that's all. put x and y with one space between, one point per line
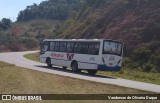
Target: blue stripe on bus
106 68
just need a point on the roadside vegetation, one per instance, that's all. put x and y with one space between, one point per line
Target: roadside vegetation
33 56
19 80
25 35
127 72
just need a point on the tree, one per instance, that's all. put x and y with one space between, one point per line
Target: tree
51 9
5 23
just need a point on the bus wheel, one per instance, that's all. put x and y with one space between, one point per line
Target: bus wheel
74 67
48 61
92 72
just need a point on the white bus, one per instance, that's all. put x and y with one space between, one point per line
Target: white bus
83 54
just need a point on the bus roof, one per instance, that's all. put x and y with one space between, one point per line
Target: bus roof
76 40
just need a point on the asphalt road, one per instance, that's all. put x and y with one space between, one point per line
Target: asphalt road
18 59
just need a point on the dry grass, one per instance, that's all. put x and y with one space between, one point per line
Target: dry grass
19 80
33 56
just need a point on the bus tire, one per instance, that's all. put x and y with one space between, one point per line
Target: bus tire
48 61
74 66
92 72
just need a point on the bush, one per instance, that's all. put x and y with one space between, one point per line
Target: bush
5 24
127 63
141 55
155 59
143 59
150 68
29 43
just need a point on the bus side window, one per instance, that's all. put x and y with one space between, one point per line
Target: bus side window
52 46
62 47
96 48
91 49
56 46
70 47
84 49
78 47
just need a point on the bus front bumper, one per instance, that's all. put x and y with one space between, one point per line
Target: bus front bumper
106 68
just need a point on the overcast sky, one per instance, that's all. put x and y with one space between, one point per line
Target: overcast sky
11 8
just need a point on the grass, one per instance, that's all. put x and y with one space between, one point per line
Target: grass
136 75
33 56
17 80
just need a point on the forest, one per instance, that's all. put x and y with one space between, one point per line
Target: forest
52 9
134 22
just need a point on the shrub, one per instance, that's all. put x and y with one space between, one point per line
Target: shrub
141 55
29 43
149 68
127 63
155 59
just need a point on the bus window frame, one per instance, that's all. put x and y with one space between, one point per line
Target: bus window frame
120 54
89 44
56 48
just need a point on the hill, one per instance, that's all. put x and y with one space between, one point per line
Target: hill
132 21
34 24
49 9
135 22
26 35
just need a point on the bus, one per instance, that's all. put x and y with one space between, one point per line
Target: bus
82 54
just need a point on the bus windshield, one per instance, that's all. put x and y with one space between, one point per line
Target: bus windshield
112 47
44 46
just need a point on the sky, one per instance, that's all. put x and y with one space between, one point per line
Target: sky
11 8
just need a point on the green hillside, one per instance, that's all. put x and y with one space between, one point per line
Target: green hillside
26 35
50 9
135 22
